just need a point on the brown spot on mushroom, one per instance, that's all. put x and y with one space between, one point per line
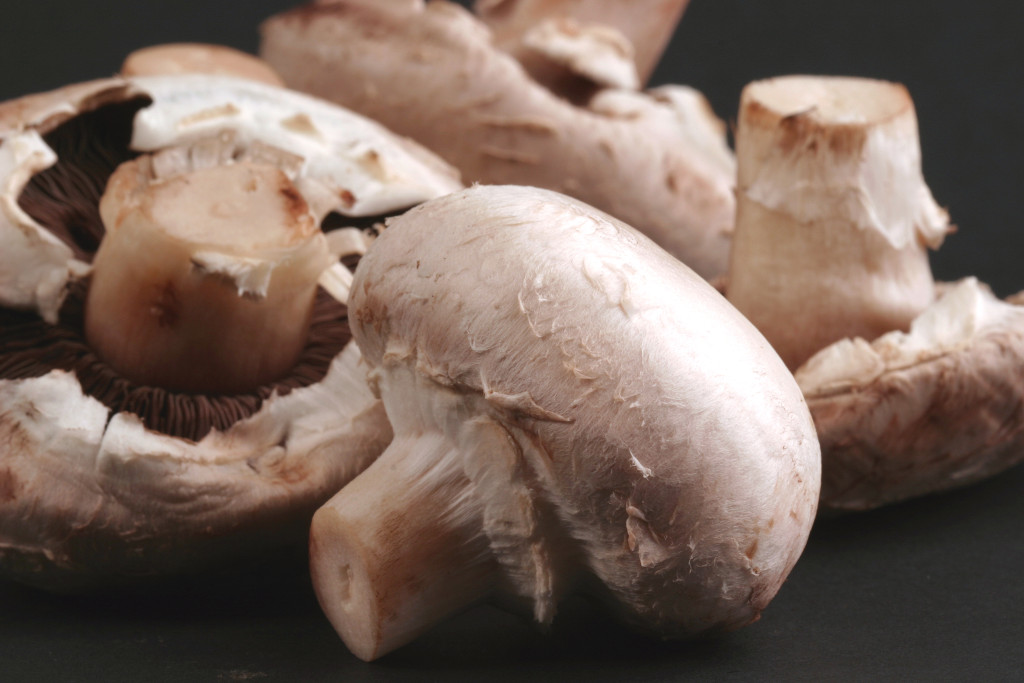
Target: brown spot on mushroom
166 307
9 485
295 203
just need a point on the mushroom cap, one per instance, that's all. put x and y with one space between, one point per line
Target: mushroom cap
191 58
659 433
94 495
927 410
432 72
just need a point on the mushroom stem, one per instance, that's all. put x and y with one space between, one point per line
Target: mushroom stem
647 24
833 215
204 281
401 547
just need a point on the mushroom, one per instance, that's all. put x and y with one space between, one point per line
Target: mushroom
175 390
198 58
914 387
645 27
656 160
573 409
830 201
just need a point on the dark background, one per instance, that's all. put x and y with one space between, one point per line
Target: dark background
926 590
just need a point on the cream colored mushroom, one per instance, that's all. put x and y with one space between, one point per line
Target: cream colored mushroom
573 410
646 26
197 58
833 216
106 476
657 160
910 393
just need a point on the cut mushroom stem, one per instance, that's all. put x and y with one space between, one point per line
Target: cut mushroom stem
384 570
833 214
205 280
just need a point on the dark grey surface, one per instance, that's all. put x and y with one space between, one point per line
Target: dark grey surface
926 590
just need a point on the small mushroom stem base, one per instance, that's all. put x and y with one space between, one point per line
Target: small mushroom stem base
204 281
400 548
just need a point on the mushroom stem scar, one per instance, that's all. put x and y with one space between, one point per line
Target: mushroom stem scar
205 280
384 568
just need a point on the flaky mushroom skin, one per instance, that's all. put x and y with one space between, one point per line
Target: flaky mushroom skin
656 160
949 418
831 201
643 441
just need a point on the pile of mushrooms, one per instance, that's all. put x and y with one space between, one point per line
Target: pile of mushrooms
574 410
915 387
559 404
568 118
177 385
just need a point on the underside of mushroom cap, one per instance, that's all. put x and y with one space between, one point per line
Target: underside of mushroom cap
432 72
656 438
91 499
103 480
938 407
341 162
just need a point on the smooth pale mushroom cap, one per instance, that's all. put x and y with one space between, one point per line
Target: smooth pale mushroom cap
927 410
432 72
833 215
198 58
91 491
573 409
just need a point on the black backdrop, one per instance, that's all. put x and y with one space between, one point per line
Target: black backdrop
929 589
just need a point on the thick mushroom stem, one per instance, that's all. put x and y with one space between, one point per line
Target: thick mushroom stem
384 567
833 215
204 281
403 546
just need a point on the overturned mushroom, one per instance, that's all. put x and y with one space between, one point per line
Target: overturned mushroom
175 390
657 160
911 394
573 410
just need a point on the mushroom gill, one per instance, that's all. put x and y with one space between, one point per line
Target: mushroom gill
65 199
